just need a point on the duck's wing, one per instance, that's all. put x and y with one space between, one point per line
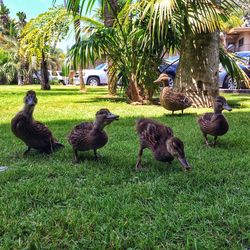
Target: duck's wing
152 135
175 99
40 130
208 122
84 126
79 133
183 99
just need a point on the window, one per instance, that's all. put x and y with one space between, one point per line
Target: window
241 42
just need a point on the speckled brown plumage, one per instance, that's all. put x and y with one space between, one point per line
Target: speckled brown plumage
171 99
215 124
91 135
161 141
33 133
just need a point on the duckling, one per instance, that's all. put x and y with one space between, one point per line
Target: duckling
33 133
171 99
161 141
215 124
91 135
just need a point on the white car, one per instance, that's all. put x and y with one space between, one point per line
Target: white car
57 75
96 76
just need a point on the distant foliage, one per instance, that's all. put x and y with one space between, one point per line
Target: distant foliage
43 32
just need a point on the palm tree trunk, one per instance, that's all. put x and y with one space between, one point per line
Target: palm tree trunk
109 14
198 70
27 79
19 78
44 74
133 91
77 28
112 78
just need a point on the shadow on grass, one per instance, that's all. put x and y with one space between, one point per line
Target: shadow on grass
102 99
124 143
239 101
55 91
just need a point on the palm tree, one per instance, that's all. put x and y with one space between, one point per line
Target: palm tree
14 66
123 45
109 12
196 23
4 17
187 26
21 19
77 29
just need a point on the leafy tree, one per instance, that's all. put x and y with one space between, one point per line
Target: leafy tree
4 58
40 35
16 66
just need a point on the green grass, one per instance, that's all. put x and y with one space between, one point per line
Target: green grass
47 202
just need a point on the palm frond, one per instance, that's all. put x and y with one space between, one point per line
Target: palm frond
230 63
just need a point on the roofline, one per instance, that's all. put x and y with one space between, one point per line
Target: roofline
238 30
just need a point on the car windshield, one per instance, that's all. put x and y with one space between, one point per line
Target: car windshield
245 54
100 66
171 59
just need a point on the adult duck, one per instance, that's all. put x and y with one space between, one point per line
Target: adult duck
215 123
33 133
171 99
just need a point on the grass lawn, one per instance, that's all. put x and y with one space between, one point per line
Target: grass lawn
47 202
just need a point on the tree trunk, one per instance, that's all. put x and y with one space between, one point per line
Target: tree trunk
77 28
81 80
44 74
112 78
133 91
109 14
26 76
110 11
19 78
198 70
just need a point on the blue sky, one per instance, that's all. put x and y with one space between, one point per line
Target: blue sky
33 8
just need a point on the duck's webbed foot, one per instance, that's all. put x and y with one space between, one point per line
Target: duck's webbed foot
138 166
26 151
206 140
96 156
214 142
75 156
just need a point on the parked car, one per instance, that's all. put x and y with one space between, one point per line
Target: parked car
244 55
170 66
53 76
97 76
57 76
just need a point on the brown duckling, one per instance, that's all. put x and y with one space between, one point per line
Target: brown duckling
171 99
161 141
91 135
33 133
215 124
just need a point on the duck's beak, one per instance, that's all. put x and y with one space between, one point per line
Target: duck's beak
31 102
184 163
112 117
227 107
